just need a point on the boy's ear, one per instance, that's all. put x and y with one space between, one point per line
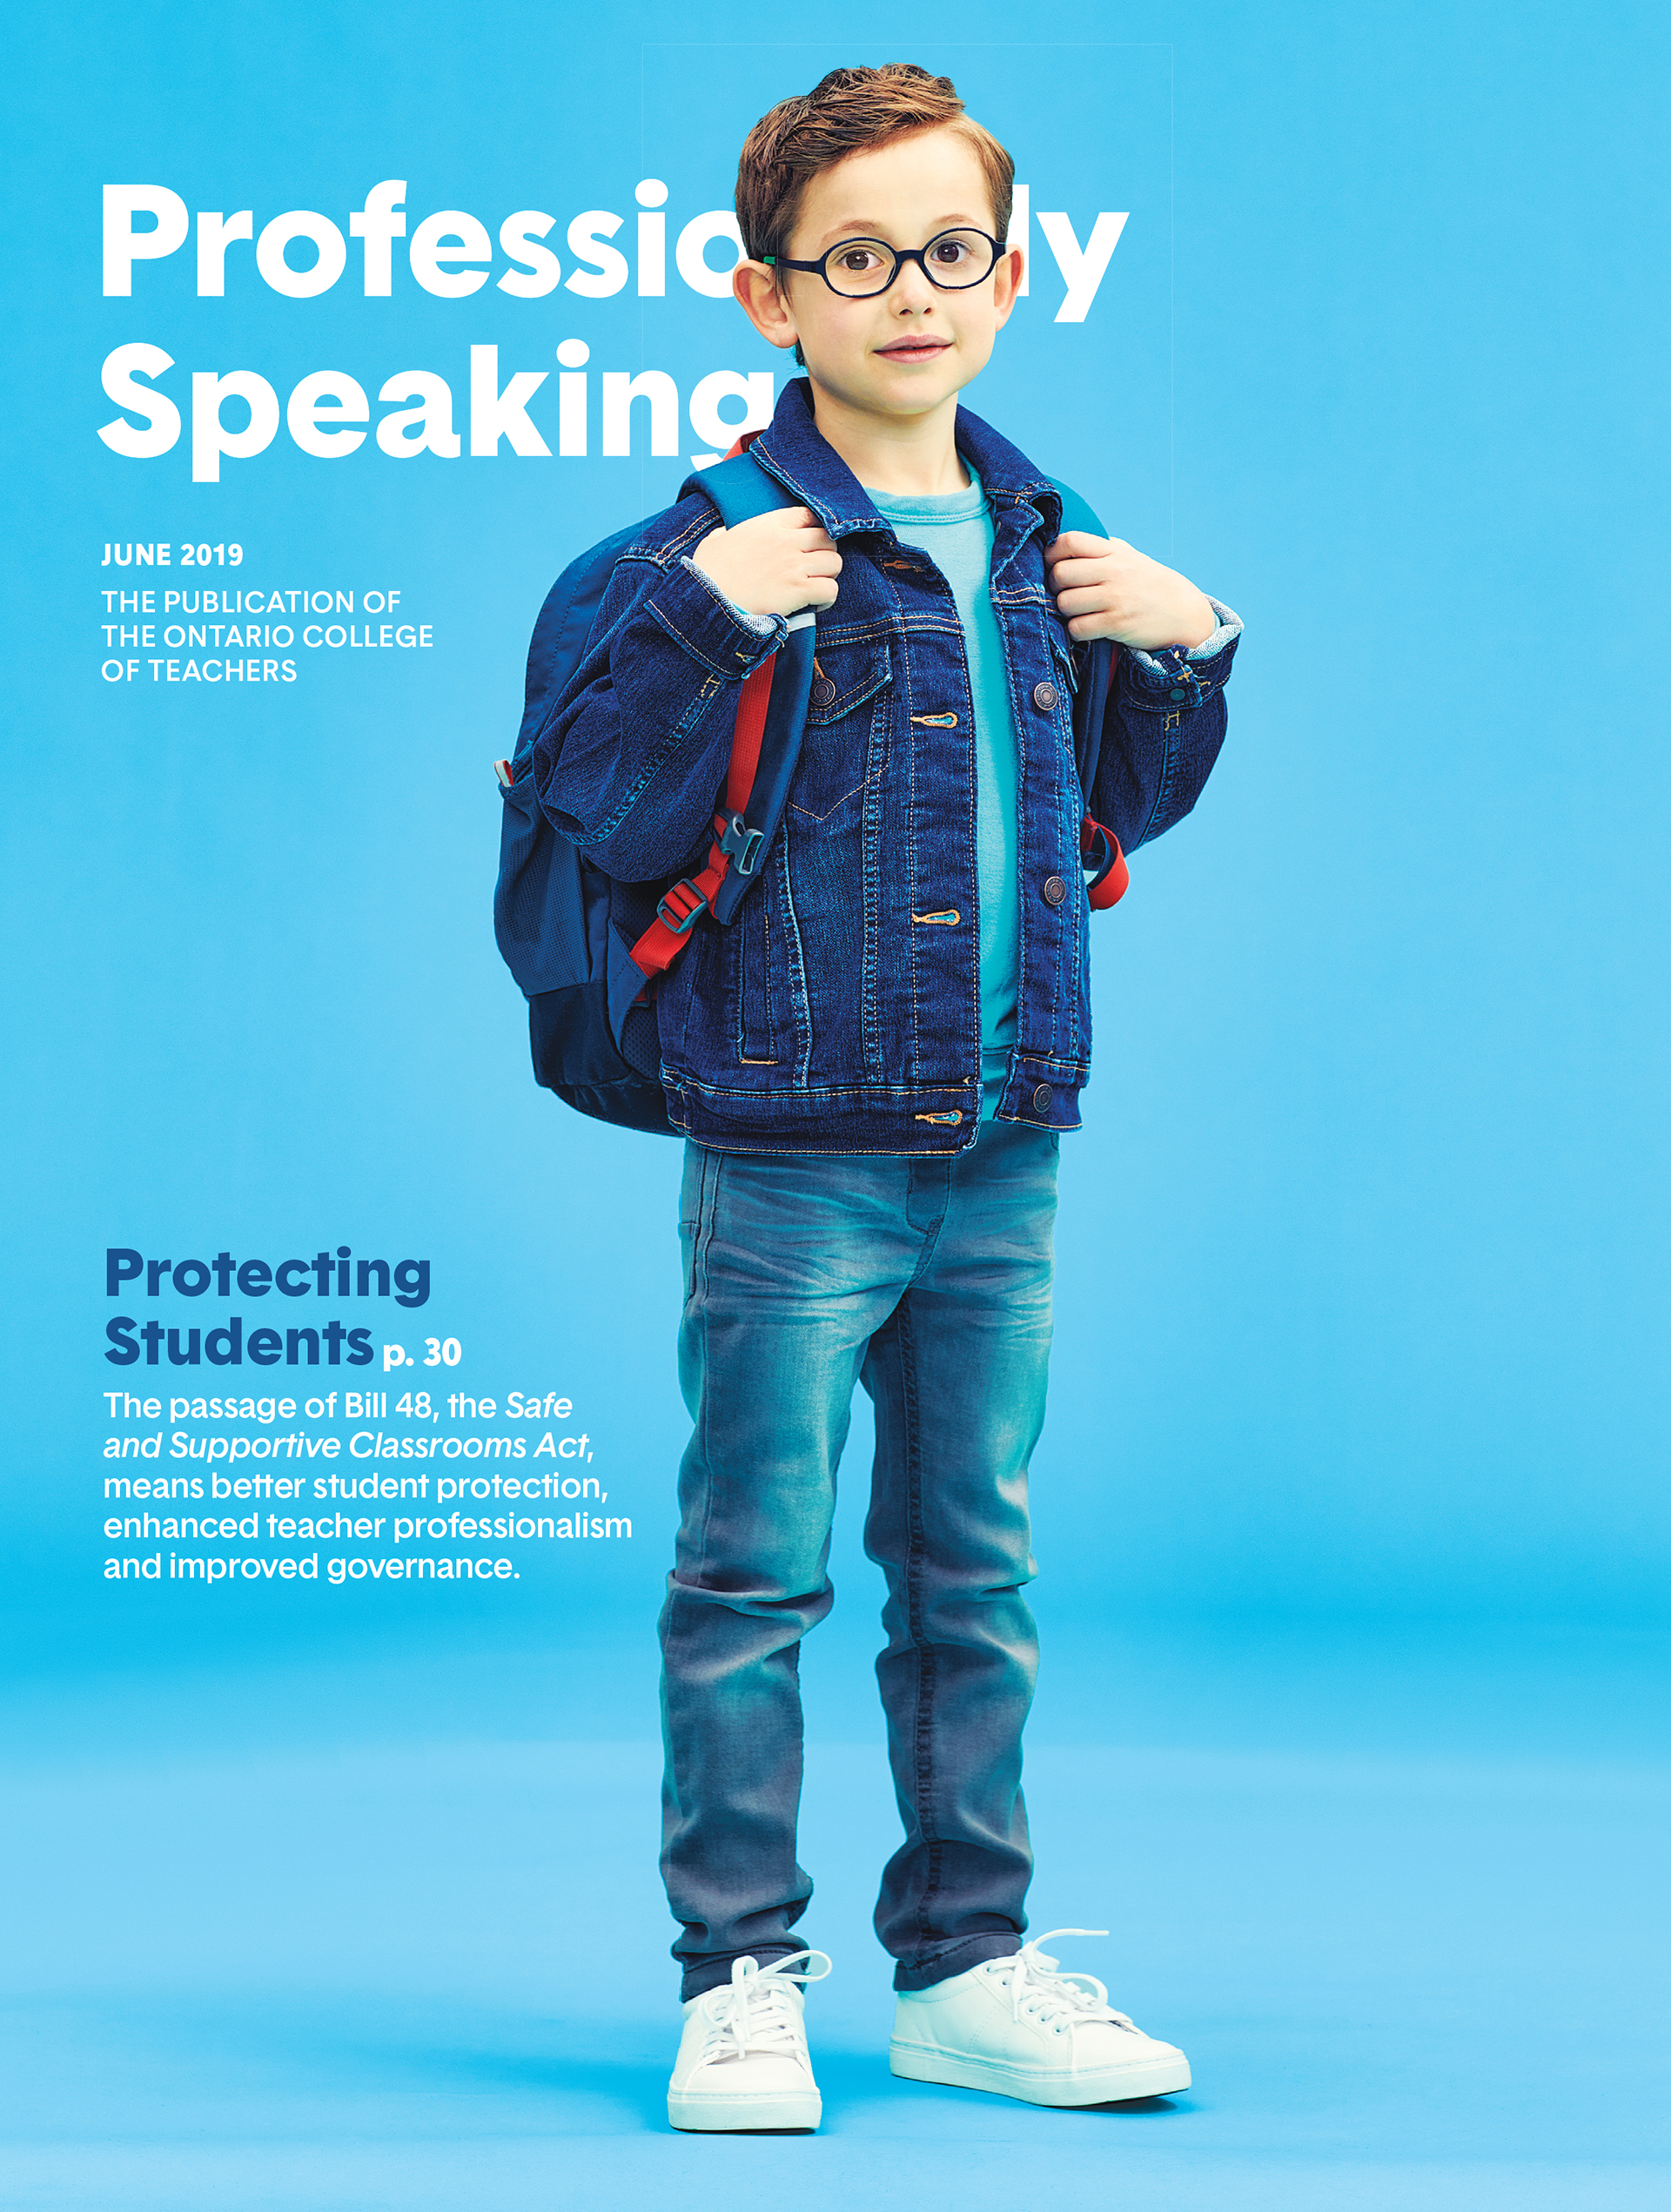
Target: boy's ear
1006 283
756 292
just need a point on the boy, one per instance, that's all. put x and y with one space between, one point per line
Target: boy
871 1065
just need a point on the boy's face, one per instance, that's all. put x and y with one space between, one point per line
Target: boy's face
901 353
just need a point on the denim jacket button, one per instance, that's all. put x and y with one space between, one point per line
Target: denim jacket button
1179 691
1042 1099
1055 890
1044 697
822 692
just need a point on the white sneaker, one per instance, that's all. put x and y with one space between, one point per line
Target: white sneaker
1023 2028
742 2058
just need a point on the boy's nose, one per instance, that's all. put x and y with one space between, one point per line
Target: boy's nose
910 291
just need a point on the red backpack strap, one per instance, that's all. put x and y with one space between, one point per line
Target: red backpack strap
678 909
1100 854
681 907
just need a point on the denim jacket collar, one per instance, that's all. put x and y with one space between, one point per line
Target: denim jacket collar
807 465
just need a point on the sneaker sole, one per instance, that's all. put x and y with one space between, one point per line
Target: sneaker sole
730 2115
1113 2085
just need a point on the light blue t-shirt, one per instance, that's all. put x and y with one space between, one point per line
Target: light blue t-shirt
955 530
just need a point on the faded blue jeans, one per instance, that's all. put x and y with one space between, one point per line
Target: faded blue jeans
928 1281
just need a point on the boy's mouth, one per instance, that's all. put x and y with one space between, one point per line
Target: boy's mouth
915 349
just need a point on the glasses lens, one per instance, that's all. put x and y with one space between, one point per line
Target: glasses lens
860 267
959 259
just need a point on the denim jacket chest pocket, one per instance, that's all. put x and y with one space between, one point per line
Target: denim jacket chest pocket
844 746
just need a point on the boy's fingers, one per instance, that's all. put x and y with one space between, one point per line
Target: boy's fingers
1070 575
789 519
1076 549
1077 545
1100 598
782 518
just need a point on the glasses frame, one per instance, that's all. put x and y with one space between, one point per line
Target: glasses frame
902 254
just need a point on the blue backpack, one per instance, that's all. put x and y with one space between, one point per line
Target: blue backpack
587 952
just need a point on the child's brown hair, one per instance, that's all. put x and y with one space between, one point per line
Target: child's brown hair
851 111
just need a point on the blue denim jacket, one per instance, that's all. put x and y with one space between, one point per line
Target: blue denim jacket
840 1010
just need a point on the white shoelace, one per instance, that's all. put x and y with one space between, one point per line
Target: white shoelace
1039 1991
756 2010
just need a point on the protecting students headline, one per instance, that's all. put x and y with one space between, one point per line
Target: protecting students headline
450 255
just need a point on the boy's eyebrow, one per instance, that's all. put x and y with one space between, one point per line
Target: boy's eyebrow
868 228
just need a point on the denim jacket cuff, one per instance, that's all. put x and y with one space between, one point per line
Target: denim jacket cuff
697 614
760 625
1226 627
1177 680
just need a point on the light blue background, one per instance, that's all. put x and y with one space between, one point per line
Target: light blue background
1353 1490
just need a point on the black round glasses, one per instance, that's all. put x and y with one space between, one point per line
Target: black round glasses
859 268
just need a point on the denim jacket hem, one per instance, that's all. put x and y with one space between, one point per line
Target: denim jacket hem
1041 1091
